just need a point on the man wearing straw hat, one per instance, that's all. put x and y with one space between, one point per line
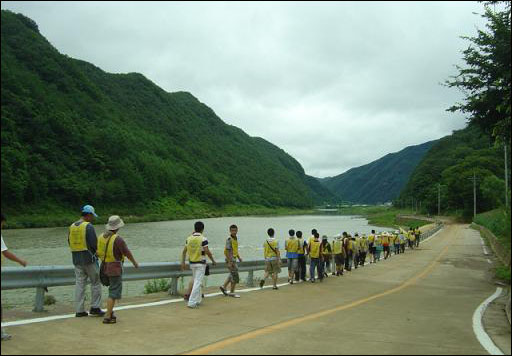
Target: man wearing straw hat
112 250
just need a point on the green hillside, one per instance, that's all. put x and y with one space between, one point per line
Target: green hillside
451 162
380 181
72 133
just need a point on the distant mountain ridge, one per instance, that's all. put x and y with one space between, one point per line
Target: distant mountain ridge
380 181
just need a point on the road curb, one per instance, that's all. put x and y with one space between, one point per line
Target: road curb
478 327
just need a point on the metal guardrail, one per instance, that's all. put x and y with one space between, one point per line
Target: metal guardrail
42 277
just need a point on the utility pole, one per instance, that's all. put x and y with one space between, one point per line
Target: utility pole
439 199
474 179
506 175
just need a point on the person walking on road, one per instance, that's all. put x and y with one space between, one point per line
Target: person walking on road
348 245
301 272
272 259
83 243
396 242
315 255
326 256
339 257
403 240
417 236
196 247
412 238
371 246
357 249
232 254
112 250
363 250
291 246
385 238
10 256
378 247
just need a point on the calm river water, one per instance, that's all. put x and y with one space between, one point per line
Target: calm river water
163 242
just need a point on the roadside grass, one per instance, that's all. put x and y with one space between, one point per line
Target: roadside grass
157 286
498 222
503 273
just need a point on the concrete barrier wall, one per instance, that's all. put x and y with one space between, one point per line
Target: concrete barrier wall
497 248
507 309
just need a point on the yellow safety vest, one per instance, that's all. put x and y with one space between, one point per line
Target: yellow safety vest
325 249
412 237
371 238
314 248
385 239
102 246
269 247
195 248
337 247
234 248
77 237
292 245
300 250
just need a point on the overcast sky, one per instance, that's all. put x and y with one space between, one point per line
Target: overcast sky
336 85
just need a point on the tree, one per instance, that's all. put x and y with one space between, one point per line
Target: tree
486 78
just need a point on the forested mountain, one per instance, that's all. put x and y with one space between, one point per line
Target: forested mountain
380 181
452 162
72 133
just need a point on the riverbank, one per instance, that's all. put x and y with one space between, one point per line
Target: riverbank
54 215
384 216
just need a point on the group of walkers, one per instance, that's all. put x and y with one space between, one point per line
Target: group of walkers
342 254
99 259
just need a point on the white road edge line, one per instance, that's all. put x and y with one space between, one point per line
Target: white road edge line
145 305
478 326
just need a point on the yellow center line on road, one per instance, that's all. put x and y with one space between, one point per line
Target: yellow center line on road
283 325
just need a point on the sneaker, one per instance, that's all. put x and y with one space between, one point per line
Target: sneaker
192 306
291 282
109 321
223 291
233 295
96 312
81 315
275 288
262 283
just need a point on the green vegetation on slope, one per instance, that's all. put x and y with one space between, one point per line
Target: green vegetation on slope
380 181
498 222
452 162
73 134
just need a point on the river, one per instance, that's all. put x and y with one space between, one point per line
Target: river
163 242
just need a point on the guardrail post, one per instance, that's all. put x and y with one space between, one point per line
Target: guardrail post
173 290
39 303
250 279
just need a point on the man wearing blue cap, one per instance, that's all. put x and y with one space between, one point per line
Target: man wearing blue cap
83 242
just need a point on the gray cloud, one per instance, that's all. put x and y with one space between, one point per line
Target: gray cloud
336 85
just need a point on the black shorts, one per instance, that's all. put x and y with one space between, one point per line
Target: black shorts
386 248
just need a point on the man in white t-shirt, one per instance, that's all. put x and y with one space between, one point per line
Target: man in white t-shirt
10 256
196 247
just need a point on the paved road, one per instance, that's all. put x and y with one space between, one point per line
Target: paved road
418 303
